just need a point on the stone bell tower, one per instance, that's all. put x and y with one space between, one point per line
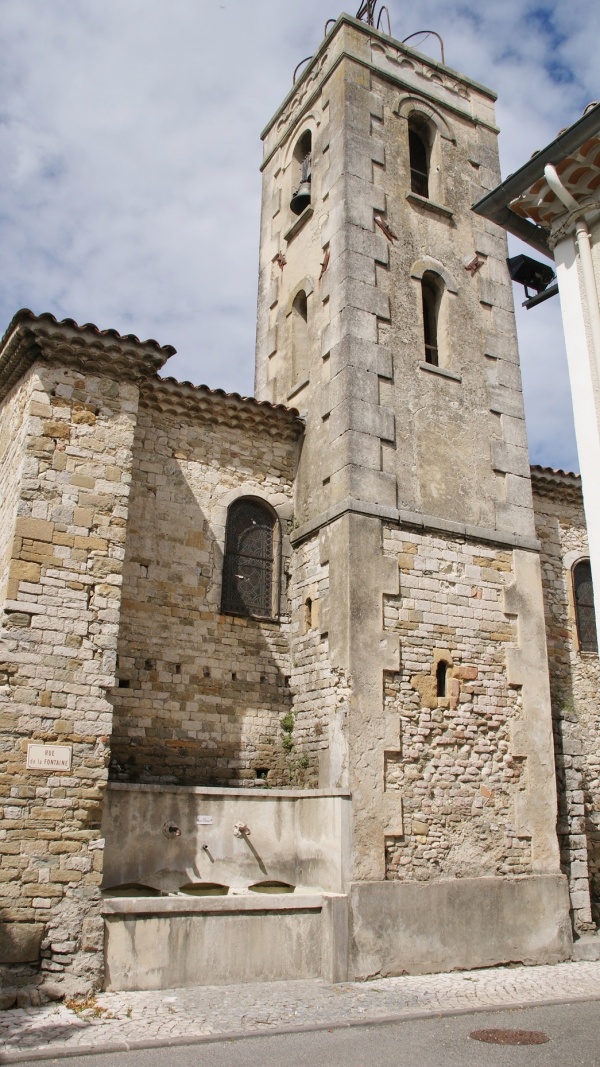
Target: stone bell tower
385 316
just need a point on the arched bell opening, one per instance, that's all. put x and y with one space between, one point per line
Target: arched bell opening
302 174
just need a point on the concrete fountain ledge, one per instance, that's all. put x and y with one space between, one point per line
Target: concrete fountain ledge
166 835
254 792
236 902
170 942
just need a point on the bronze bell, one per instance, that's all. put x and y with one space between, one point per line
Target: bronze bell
301 198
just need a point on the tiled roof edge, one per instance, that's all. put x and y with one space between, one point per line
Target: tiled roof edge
171 396
45 339
555 476
25 315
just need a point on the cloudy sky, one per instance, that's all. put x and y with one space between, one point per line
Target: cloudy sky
129 156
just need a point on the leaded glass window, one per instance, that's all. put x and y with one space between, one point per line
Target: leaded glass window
584 606
249 560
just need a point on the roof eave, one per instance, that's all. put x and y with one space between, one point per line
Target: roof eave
495 204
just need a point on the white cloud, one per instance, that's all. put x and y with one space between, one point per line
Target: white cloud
129 155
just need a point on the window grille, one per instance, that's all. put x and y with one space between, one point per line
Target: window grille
585 616
249 558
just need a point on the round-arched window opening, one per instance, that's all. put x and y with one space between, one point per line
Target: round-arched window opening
300 305
250 570
585 614
431 295
300 354
419 152
302 174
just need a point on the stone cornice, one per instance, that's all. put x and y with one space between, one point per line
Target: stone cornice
314 77
43 339
386 41
415 520
176 399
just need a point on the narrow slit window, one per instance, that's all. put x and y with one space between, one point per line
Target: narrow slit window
441 675
431 297
249 578
419 156
300 353
585 616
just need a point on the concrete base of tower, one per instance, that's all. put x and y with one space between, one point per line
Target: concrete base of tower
459 924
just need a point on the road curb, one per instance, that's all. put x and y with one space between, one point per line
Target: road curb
99 1049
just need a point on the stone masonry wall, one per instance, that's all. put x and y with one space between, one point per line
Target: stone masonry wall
201 695
454 768
320 692
57 656
575 687
13 431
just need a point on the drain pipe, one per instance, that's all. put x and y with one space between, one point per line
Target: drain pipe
584 247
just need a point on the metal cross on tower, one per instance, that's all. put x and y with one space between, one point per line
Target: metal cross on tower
367 11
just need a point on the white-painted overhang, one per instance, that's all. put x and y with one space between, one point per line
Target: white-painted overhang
525 205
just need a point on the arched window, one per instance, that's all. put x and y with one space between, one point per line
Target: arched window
299 324
431 293
583 596
302 174
250 574
419 151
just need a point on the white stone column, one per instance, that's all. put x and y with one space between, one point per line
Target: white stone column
585 392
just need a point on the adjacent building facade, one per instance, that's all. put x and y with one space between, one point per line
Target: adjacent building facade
300 684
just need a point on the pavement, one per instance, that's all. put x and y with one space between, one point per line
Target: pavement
117 1022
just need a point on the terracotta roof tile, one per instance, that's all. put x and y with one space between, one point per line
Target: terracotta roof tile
25 315
223 395
30 337
537 469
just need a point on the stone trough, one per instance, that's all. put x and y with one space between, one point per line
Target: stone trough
246 885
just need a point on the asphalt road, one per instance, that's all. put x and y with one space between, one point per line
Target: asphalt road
573 1031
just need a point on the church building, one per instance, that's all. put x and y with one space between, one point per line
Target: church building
304 684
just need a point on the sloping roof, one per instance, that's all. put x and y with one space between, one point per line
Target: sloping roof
548 480
43 338
580 174
176 399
